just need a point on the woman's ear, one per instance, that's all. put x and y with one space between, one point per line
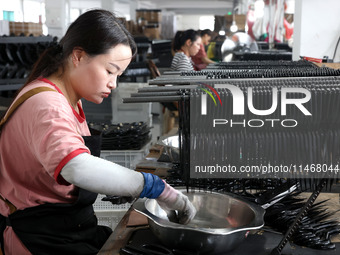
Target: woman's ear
188 43
77 55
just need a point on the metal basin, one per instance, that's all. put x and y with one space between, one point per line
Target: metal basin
221 223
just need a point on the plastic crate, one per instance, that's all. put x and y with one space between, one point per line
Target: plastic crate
110 218
127 158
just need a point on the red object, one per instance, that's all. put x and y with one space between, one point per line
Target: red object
289 29
250 23
315 60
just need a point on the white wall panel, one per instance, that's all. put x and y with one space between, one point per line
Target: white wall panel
316 28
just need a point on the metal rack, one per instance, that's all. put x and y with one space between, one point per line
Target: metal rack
16 61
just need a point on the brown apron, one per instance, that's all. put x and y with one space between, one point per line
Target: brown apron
58 228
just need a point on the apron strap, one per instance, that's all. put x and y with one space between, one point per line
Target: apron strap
9 113
22 99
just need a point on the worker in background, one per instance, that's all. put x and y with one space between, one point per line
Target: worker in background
185 45
214 48
201 59
48 177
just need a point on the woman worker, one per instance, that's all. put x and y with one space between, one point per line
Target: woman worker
185 45
201 59
47 175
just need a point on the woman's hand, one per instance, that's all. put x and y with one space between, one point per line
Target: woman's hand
171 199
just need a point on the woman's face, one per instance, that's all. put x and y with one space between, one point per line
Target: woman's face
93 78
195 46
206 39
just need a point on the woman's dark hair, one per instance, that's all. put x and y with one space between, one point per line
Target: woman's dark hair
205 32
95 31
182 36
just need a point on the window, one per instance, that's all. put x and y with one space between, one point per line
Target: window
33 11
8 15
207 22
74 14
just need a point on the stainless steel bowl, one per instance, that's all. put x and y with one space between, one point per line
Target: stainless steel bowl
221 223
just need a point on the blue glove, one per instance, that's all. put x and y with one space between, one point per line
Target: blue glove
153 186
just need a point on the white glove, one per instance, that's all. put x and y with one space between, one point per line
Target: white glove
171 199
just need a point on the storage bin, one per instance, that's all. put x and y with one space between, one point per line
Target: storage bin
127 158
110 218
107 213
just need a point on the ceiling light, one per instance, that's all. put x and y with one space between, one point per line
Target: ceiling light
233 27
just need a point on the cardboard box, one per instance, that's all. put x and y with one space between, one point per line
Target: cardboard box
26 28
240 20
152 31
140 15
149 15
155 16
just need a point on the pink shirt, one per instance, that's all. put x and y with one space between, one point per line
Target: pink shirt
36 142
